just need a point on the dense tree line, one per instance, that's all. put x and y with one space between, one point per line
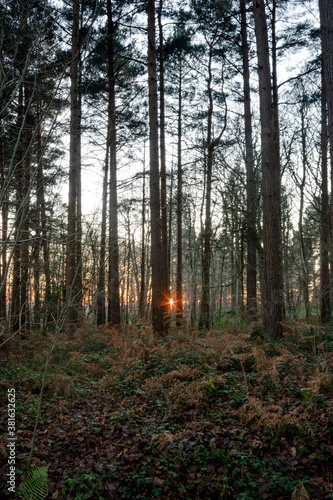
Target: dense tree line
210 126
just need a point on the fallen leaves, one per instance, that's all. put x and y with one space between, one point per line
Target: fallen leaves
188 418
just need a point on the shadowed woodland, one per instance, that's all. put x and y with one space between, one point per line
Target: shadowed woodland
166 250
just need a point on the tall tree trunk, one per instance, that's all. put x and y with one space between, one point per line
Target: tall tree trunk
158 305
192 246
251 234
15 299
4 204
21 252
26 160
271 183
304 271
179 279
325 306
101 310
113 285
79 274
275 113
206 252
143 243
42 230
128 268
72 258
164 214
286 263
211 144
170 217
4 224
326 24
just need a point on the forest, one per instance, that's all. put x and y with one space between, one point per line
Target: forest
166 258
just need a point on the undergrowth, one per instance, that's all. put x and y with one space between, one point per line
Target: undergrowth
221 414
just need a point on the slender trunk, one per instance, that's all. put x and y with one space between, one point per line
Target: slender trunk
25 209
42 229
143 243
164 214
15 300
271 182
326 24
4 206
148 293
79 273
21 254
159 309
206 254
170 221
304 271
179 281
241 271
101 309
286 262
192 263
128 269
194 279
113 286
233 263
72 259
251 234
135 284
221 283
4 223
325 307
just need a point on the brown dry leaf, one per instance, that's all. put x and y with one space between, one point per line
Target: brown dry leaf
60 384
225 343
171 375
267 416
300 493
163 439
323 485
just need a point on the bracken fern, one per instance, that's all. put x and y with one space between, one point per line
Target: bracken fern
35 484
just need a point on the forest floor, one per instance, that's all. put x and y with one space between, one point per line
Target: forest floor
221 414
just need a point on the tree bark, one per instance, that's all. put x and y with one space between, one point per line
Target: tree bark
143 243
164 214
179 274
42 229
326 25
101 309
72 258
325 305
26 163
158 305
271 183
251 233
206 252
15 299
4 230
113 286
304 269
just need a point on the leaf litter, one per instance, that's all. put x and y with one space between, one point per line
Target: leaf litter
220 415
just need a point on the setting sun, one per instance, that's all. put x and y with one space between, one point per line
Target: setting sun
171 302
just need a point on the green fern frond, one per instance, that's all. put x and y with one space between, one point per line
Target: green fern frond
35 484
